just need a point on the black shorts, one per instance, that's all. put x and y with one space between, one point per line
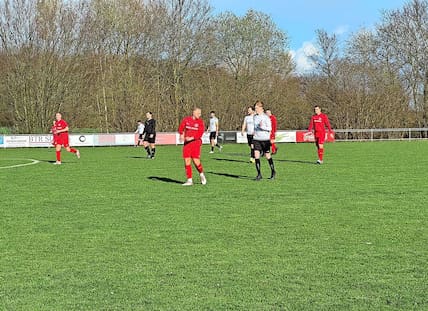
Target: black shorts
213 135
262 145
250 139
140 136
150 140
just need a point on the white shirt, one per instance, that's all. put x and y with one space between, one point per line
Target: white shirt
262 127
140 128
213 124
249 124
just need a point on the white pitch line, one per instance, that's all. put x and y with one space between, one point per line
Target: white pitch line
19 165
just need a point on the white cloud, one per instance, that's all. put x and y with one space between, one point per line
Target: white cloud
340 30
301 57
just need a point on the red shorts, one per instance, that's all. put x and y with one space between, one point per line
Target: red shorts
192 149
320 138
61 140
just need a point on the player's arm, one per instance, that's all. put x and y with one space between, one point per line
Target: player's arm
327 123
65 129
244 126
181 130
311 124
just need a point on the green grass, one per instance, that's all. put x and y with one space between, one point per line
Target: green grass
116 231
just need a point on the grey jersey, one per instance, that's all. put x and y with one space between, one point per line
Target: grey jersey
262 127
249 124
213 124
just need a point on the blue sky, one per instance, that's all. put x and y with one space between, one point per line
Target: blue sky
301 18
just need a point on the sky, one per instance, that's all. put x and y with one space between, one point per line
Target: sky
301 18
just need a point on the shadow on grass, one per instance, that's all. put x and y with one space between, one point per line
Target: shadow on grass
165 179
231 160
230 175
295 161
138 157
53 161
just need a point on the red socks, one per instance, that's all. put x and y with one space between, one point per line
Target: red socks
320 153
58 156
73 150
199 168
188 169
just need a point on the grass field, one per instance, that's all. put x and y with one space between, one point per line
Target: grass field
116 231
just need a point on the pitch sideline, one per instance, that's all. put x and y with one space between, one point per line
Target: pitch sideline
19 165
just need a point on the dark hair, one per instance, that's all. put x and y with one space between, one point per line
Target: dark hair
212 111
139 121
259 103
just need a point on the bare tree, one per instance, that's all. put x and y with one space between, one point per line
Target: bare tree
403 34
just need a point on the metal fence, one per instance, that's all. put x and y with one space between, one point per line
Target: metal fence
381 134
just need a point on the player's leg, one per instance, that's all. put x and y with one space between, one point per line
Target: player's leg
270 159
147 147
58 153
198 165
216 142
188 170
257 152
153 150
187 164
320 153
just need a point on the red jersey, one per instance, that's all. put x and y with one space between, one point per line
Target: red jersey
318 123
191 127
60 125
274 125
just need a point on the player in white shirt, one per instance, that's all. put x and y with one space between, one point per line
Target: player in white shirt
248 126
139 131
261 139
213 130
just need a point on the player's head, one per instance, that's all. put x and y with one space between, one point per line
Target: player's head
268 112
258 106
196 112
139 121
212 113
149 115
250 110
317 109
58 116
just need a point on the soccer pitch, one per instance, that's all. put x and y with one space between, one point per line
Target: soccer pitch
117 231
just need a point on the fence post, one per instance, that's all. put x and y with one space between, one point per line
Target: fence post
371 134
410 134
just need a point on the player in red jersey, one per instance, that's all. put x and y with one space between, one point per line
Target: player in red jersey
319 122
54 135
60 132
191 130
273 132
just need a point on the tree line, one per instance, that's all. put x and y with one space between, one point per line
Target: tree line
105 63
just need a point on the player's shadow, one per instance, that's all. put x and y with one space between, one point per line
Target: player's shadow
53 161
165 179
230 160
138 157
230 175
296 161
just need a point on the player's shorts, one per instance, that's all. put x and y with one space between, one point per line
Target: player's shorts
150 140
192 149
213 135
250 139
140 136
320 138
62 140
262 145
